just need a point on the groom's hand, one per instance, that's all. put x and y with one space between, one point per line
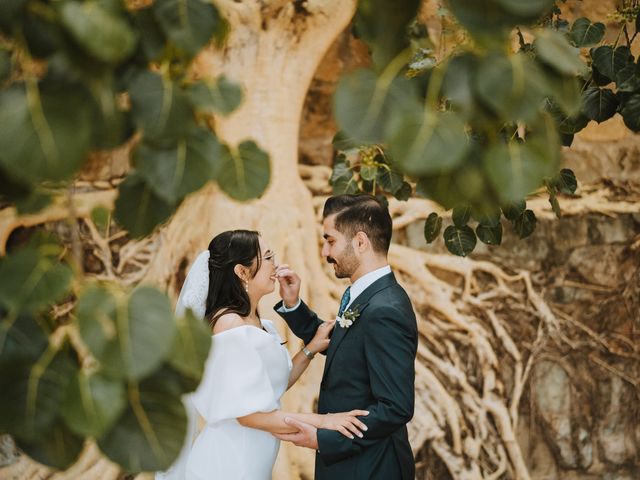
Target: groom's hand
289 285
306 436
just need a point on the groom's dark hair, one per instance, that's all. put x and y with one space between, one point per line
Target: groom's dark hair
361 213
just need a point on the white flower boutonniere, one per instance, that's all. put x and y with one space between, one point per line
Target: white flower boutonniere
348 317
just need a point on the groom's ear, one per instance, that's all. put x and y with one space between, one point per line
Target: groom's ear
362 241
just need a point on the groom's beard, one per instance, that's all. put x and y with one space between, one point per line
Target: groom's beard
346 263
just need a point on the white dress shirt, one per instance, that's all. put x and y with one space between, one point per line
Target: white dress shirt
359 286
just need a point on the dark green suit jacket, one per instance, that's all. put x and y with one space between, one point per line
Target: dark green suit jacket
369 366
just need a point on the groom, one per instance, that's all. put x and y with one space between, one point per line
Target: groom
370 360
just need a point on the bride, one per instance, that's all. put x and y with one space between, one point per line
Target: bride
248 368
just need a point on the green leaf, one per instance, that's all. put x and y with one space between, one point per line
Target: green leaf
527 9
390 180
564 90
461 215
404 192
584 33
33 391
5 65
21 337
189 24
96 317
432 227
628 78
487 20
491 235
138 208
631 112
10 11
512 86
32 281
609 61
488 218
525 224
221 96
366 106
368 172
151 432
190 347
152 39
341 141
599 104
103 34
244 173
160 108
517 168
383 25
554 50
176 172
457 84
342 179
460 240
513 210
566 182
144 330
58 447
93 404
429 142
45 133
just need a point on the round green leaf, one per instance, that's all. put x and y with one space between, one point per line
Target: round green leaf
564 90
138 208
151 432
404 192
527 9
461 215
103 34
513 210
429 142
190 347
525 224
599 104
631 112
459 240
244 173
58 447
628 78
390 180
342 179
32 281
489 218
174 173
554 50
457 84
491 235
189 24
160 108
365 105
487 20
93 404
33 392
221 96
21 338
584 33
609 61
45 134
512 86
145 331
152 39
432 227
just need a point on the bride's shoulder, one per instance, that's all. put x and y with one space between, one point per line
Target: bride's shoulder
228 321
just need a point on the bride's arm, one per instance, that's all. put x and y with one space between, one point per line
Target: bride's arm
319 343
346 423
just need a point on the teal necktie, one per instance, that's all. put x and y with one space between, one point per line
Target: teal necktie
346 297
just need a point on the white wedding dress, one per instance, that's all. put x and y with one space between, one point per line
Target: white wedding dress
247 372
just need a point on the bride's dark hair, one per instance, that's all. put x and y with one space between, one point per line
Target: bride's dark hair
226 290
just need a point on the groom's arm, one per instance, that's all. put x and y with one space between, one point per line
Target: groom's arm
302 321
390 348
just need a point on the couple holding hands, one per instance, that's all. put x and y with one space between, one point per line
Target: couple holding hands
367 389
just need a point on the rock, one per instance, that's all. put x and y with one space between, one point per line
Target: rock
616 432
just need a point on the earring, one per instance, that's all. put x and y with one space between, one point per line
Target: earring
246 286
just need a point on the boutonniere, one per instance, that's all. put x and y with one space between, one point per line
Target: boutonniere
348 317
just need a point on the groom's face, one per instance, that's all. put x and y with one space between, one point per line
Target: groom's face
338 250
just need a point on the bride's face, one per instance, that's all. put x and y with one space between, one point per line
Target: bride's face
265 278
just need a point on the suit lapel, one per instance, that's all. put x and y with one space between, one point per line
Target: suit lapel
361 302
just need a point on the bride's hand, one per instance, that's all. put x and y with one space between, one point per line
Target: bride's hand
346 423
320 341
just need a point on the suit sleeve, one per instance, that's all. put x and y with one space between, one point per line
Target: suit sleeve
390 348
302 321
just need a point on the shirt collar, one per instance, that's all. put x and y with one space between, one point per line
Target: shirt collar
364 281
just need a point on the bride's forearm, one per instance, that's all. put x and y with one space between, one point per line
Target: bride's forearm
300 364
273 422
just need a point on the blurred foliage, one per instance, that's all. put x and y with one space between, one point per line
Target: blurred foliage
480 128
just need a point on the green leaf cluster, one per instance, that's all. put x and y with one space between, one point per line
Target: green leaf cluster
114 373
